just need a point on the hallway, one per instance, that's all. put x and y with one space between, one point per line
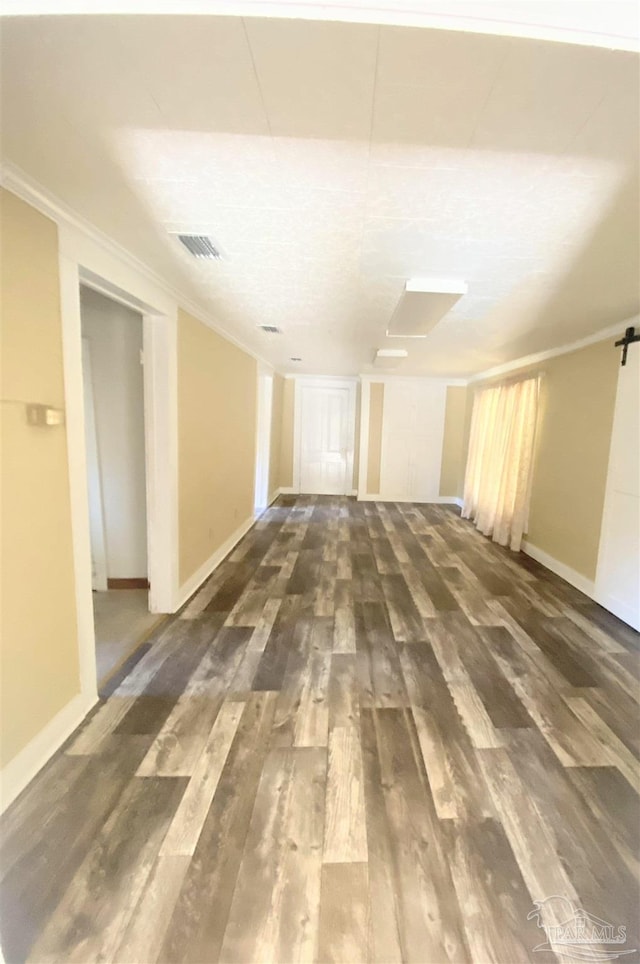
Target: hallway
372 735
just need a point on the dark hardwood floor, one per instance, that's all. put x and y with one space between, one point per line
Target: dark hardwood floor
372 735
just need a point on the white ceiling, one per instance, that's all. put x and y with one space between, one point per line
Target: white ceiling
331 162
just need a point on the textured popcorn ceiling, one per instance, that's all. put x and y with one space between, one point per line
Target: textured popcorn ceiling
331 162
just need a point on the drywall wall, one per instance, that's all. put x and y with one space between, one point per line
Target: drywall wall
454 445
216 441
577 398
374 451
276 435
39 654
114 333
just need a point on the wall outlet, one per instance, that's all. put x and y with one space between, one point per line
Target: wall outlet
44 416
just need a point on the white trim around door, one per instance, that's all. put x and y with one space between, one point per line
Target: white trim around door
81 258
303 381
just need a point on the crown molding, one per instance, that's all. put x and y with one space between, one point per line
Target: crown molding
609 332
308 377
391 377
18 182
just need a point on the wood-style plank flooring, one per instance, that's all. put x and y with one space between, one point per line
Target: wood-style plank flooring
372 735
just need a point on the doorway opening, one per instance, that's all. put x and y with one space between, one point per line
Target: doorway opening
113 386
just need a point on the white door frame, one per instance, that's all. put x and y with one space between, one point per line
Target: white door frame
94 478
319 381
82 260
263 440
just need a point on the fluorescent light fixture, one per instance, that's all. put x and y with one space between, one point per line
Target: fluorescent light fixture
389 357
424 302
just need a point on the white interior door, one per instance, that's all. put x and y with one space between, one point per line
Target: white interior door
412 434
326 439
94 483
618 573
263 450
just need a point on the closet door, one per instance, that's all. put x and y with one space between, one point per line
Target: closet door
412 434
618 575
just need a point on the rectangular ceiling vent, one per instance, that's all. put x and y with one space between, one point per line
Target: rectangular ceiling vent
200 246
270 329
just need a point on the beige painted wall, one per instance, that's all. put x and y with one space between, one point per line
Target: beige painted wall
216 441
455 441
39 647
577 398
276 435
374 452
286 439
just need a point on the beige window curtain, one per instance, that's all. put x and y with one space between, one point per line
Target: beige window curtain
498 478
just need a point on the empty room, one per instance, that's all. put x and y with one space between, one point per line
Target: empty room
320 482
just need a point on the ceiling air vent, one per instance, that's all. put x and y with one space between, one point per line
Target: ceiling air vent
270 329
200 246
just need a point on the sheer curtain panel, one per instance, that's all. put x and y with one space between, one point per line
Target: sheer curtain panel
497 483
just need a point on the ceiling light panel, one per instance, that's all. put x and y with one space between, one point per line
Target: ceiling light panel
389 358
423 304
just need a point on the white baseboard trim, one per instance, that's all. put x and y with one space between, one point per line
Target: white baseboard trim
22 769
449 500
188 588
291 490
438 500
576 579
